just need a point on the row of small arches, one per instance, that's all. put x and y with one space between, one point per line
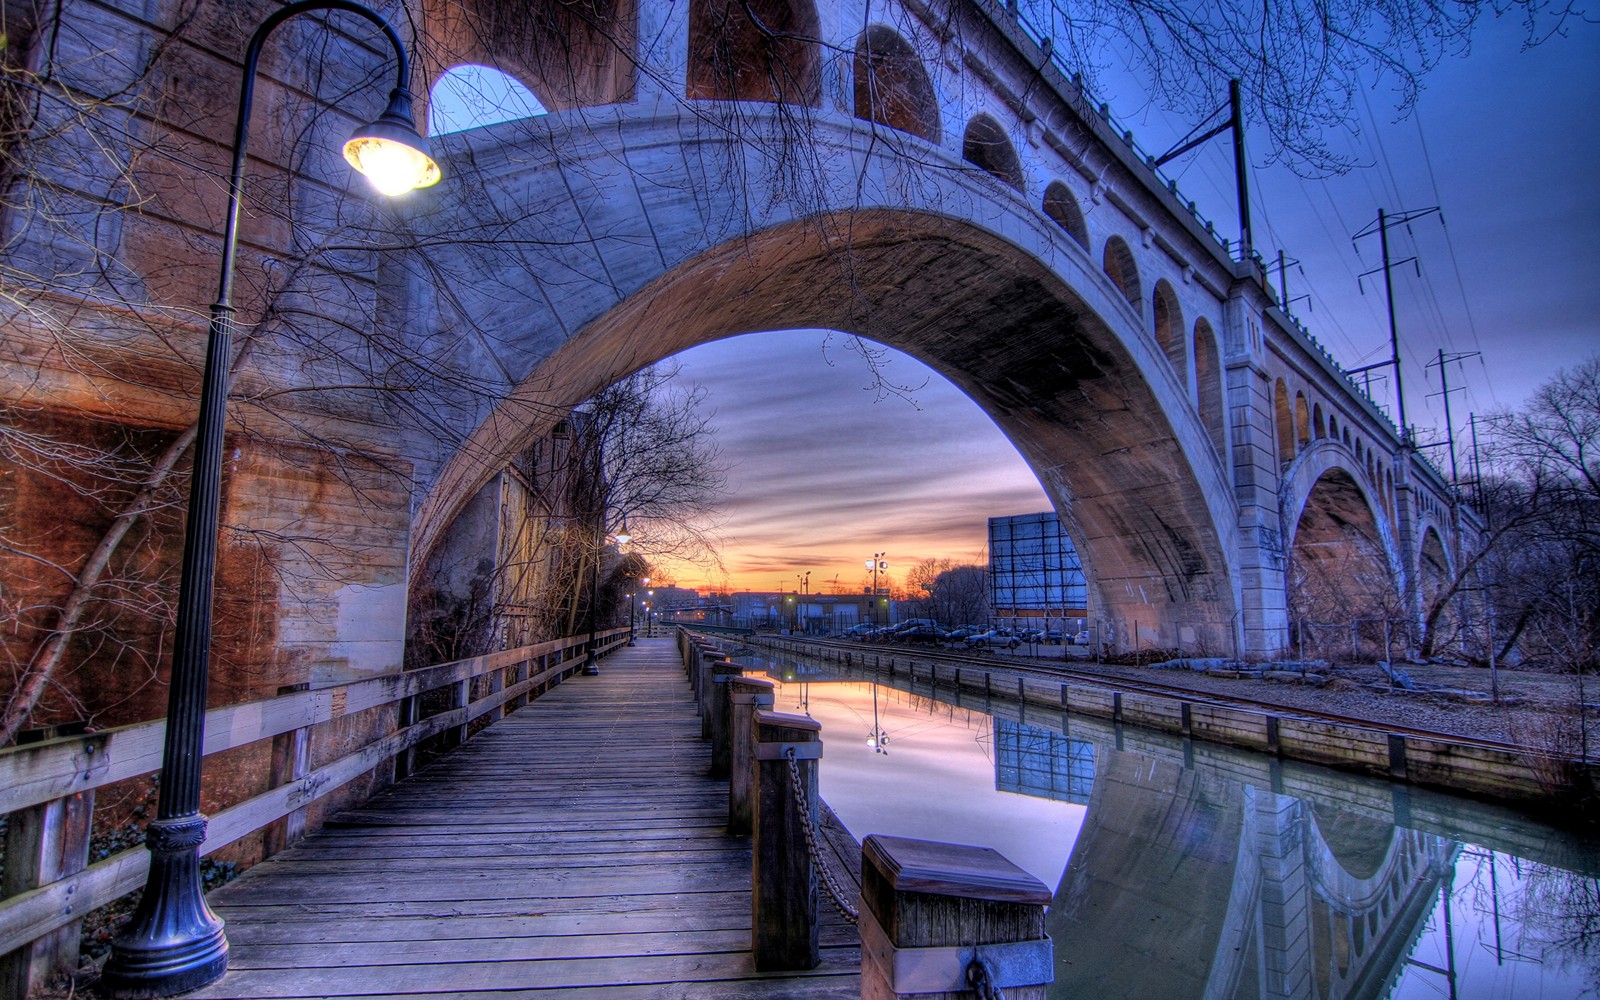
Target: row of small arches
1299 423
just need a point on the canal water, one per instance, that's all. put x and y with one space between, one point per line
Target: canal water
1182 869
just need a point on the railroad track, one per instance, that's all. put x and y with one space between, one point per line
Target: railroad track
877 655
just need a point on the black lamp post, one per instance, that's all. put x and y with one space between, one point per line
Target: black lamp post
174 942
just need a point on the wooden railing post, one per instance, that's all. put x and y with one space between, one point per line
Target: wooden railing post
943 918
717 709
746 697
783 879
291 759
497 683
405 761
702 689
44 843
460 697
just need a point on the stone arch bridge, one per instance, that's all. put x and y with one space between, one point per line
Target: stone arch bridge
920 175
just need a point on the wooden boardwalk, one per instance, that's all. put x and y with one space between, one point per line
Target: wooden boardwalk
573 849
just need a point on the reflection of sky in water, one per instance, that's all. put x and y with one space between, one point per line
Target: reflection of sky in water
1513 928
937 782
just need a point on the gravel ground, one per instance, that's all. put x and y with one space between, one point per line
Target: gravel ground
1536 709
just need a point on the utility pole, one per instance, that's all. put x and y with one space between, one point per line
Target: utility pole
1385 223
1235 122
1477 470
1240 167
1445 390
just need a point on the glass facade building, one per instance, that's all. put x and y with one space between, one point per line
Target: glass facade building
1034 572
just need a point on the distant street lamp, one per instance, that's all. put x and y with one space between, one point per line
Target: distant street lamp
174 942
876 563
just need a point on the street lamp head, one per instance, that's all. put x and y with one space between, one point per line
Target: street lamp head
390 152
623 537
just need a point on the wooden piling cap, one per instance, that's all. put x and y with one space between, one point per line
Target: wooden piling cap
951 870
799 723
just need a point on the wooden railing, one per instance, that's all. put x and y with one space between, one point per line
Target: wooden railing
47 788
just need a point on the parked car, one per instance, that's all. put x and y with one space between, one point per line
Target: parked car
1081 639
963 633
859 631
1031 635
931 634
1054 637
992 638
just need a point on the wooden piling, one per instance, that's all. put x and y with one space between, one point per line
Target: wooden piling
717 712
783 878
746 697
930 911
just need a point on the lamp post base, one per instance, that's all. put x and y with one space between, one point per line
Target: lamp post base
591 667
174 943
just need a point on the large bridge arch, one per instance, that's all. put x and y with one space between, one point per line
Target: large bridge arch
1336 531
1041 340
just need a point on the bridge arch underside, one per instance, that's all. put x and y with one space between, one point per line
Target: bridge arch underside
1343 564
1066 389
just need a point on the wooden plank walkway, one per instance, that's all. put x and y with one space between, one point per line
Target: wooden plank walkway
574 849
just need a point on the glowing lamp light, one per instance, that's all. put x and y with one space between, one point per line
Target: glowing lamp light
390 153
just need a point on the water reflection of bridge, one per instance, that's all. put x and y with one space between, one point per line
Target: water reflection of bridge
1187 883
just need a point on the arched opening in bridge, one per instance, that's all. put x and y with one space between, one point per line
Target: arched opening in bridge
1285 423
472 96
1433 577
764 50
571 55
1342 571
1169 329
1123 270
1208 386
1302 421
1062 207
986 146
892 86
1079 399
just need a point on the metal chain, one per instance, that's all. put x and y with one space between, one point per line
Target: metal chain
981 978
836 891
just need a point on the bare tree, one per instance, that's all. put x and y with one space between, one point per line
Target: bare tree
961 593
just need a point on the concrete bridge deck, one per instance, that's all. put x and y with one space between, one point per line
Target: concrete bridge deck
573 849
